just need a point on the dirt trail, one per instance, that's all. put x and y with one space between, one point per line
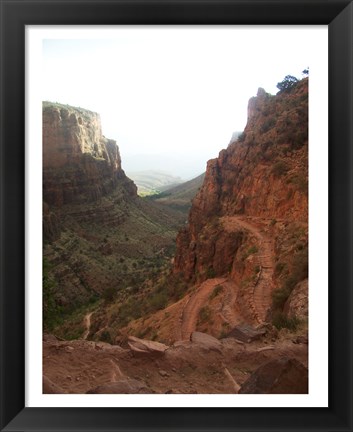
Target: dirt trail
87 323
196 301
262 289
231 312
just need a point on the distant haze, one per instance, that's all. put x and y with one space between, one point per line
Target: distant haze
171 96
186 167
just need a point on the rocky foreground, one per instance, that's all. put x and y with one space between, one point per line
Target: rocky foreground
274 363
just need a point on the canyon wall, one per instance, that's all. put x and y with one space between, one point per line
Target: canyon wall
263 174
79 163
96 229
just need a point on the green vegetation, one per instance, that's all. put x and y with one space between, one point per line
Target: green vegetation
179 197
268 124
251 251
280 266
279 169
299 272
109 294
50 309
105 336
280 321
153 182
300 182
210 273
204 315
216 291
288 83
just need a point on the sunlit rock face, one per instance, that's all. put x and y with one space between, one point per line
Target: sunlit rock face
79 163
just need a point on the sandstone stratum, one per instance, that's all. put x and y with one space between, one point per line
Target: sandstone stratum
141 300
99 236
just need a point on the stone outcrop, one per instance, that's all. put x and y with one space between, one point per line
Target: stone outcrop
206 341
79 163
144 346
297 303
280 376
246 333
263 174
95 227
201 365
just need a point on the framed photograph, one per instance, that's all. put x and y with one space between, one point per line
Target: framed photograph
178 300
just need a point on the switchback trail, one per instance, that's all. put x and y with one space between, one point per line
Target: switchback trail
196 301
262 289
232 311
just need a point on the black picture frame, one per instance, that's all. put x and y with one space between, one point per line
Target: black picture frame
15 15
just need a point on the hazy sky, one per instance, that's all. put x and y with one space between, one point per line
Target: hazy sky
179 92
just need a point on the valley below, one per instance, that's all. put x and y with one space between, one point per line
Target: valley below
202 288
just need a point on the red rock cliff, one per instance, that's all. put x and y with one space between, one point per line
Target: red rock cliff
263 174
79 163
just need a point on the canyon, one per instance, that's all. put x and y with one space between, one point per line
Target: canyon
139 300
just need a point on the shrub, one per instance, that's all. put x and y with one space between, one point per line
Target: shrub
216 291
279 297
210 273
280 321
267 125
106 337
279 168
298 139
50 308
109 294
280 266
252 250
158 301
204 315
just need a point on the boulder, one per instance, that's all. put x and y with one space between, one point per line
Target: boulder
144 346
246 333
206 341
297 303
281 376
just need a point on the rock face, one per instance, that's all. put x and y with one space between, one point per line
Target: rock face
79 163
297 303
246 333
282 376
206 341
95 226
263 174
201 365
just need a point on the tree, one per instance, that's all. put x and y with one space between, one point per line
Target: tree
287 84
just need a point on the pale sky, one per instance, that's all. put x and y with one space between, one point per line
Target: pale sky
177 92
